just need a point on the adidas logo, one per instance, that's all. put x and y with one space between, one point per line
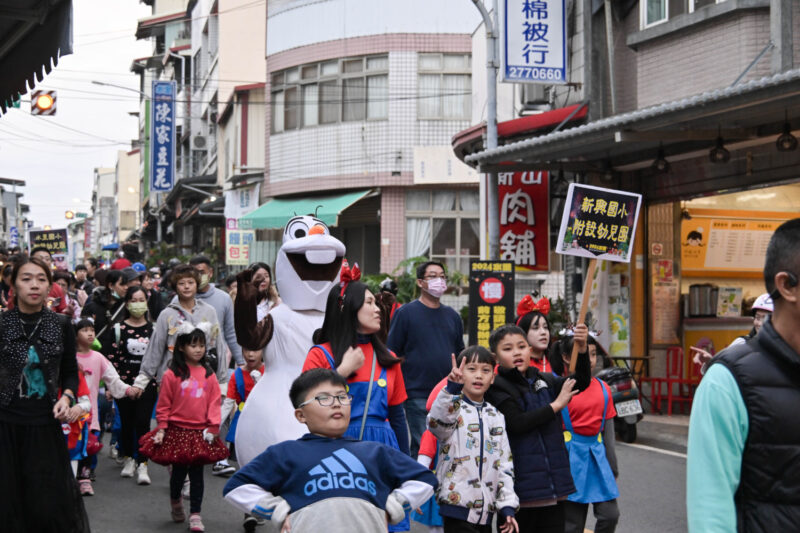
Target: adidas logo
342 470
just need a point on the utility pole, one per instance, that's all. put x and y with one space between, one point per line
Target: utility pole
493 211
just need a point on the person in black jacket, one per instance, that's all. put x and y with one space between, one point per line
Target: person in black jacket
105 308
531 402
38 383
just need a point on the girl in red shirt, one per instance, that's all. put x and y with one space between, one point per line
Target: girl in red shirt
188 416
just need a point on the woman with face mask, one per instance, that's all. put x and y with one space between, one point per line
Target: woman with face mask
131 338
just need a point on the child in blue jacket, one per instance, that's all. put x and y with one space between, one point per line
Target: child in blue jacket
324 482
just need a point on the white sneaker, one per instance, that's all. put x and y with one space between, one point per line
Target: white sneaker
129 468
185 490
141 474
222 468
113 452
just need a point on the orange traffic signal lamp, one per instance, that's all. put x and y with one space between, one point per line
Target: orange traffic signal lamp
43 103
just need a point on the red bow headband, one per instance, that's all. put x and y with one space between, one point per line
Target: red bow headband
347 275
527 305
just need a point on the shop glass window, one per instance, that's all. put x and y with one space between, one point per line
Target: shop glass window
443 225
340 90
444 86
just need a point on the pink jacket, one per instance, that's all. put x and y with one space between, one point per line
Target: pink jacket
193 403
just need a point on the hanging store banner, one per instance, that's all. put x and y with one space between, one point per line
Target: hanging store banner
533 41
239 202
598 223
237 246
56 242
491 298
162 136
524 199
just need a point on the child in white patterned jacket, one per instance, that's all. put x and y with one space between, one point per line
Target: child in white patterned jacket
475 470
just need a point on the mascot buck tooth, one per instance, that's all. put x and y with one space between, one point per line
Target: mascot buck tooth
306 268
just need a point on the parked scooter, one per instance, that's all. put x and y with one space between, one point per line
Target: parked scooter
625 394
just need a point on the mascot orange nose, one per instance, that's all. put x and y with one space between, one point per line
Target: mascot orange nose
317 229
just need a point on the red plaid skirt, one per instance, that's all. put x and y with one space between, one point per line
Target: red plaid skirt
182 447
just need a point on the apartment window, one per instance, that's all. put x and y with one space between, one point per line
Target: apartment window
655 12
443 225
444 86
341 90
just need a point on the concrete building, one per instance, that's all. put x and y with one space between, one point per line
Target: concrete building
104 209
126 188
364 98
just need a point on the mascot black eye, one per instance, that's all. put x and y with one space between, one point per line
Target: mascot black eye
297 228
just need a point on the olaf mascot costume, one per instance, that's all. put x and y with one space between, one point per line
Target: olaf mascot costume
306 269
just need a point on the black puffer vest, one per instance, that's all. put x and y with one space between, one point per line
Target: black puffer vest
541 462
48 342
768 373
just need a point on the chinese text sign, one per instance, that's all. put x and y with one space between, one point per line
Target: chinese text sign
162 137
237 246
533 45
598 223
491 298
524 199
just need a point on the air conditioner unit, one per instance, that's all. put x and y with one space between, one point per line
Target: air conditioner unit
199 142
534 95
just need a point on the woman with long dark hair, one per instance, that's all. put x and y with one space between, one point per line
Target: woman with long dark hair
267 294
37 360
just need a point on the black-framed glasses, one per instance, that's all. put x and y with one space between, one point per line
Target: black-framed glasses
434 276
326 400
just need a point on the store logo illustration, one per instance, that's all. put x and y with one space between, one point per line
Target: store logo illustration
342 470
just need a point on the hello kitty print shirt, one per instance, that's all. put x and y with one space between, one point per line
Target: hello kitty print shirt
128 352
192 403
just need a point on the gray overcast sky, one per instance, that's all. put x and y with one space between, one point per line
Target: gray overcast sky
54 159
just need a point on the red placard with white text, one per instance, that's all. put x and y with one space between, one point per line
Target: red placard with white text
524 199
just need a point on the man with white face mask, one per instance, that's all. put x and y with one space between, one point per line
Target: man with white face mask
425 333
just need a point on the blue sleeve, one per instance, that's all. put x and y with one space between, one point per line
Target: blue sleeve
400 468
459 340
718 429
397 419
266 471
397 333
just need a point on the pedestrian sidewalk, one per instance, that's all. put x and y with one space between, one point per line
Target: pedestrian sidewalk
674 420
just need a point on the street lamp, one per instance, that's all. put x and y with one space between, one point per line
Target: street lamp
106 84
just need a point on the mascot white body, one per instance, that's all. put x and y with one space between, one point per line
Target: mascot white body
306 268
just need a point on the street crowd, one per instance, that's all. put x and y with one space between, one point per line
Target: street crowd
404 423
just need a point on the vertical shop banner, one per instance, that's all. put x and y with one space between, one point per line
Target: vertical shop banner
491 298
598 223
237 246
56 242
162 137
13 236
239 202
533 41
524 199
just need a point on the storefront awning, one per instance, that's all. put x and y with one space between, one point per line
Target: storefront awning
748 117
111 247
33 36
277 212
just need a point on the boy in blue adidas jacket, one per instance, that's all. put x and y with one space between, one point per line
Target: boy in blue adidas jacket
323 482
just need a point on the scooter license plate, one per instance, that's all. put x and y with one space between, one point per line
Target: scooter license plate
631 407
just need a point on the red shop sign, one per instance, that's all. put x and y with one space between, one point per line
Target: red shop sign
524 199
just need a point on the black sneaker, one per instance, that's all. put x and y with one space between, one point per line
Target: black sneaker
249 523
92 476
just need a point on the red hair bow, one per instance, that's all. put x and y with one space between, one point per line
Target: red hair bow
347 275
527 305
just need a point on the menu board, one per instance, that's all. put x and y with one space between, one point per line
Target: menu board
716 242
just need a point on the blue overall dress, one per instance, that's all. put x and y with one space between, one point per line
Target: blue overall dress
231 435
430 509
591 472
377 428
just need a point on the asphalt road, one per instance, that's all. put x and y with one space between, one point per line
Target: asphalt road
652 491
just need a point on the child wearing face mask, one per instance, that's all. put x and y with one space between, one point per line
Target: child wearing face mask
131 338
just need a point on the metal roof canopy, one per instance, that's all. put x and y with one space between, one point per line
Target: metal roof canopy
749 117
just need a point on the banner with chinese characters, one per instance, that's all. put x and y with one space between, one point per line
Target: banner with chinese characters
598 223
524 199
533 41
491 298
237 246
162 136
55 240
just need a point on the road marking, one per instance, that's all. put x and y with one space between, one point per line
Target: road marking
653 449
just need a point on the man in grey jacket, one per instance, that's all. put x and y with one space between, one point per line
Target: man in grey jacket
221 302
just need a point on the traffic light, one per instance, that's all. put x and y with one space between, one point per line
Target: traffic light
69 215
43 102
